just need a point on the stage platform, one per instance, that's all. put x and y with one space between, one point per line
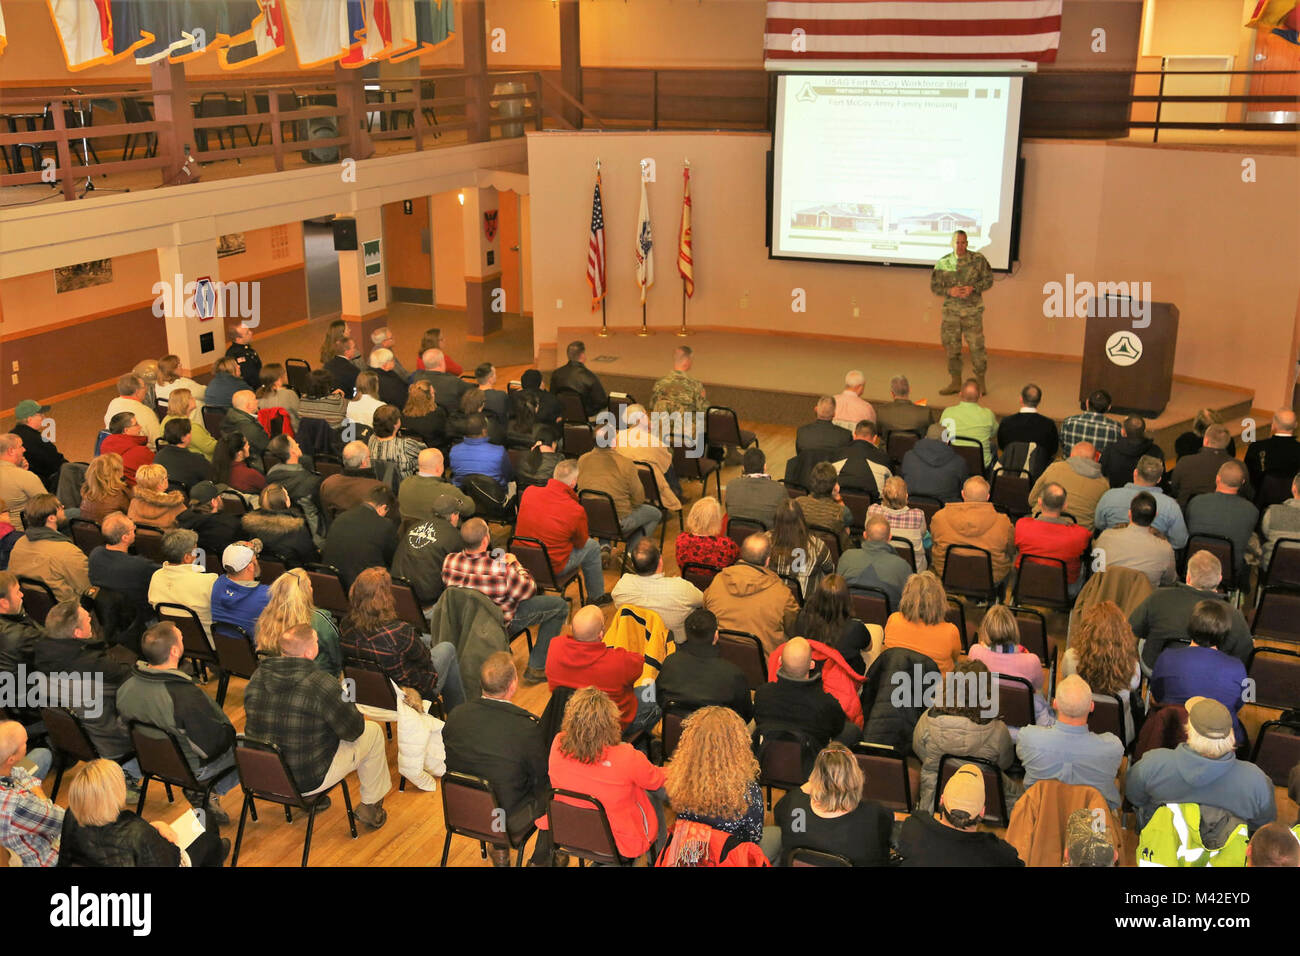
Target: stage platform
777 378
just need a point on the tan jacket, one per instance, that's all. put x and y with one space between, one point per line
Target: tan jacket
156 508
753 599
1083 482
1124 586
636 445
1037 826
50 557
975 523
604 469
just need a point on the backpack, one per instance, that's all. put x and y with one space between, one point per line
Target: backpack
1023 456
698 845
1172 837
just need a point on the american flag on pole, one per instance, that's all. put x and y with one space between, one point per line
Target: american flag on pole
800 31
596 248
685 264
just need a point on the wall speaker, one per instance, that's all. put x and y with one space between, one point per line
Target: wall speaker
345 234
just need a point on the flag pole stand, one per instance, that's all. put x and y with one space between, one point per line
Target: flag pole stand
683 331
643 331
604 329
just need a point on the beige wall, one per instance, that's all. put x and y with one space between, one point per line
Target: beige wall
1180 219
448 251
30 301
1195 27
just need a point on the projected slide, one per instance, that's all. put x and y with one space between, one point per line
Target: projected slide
885 168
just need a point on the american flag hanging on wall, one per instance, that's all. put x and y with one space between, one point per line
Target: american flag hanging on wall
803 31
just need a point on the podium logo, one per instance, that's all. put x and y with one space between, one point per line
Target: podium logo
1123 348
1114 300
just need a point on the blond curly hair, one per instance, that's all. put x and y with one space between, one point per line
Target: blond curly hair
591 725
713 766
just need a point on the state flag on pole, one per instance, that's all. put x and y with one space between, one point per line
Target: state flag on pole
685 264
645 256
596 248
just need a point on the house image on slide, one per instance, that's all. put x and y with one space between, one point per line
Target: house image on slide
846 217
939 222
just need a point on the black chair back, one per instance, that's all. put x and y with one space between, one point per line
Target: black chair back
1032 626
829 538
1015 700
1107 716
194 636
296 371
271 568
602 516
1283 564
968 570
579 438
870 605
781 763
86 534
746 652
928 506
956 616
148 542
696 467
1277 751
232 502
469 807
701 575
905 550
38 598
971 451
571 406
161 758
1277 617
722 427
213 417
1042 581
1221 548
1010 492
408 605
899 443
995 798
857 501
236 651
738 529
371 685
327 588
1276 673
675 714
803 856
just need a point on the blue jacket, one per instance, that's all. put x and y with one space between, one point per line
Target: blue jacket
1183 672
235 603
1184 776
222 388
1112 509
478 456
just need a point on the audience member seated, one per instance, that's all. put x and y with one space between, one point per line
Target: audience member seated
748 596
226 381
182 578
698 676
361 410
19 632
1030 425
754 495
866 465
285 458
1103 652
474 402
1226 513
974 521
511 588
544 408
603 469
1273 845
237 595
485 376
1203 669
933 469
1081 477
551 514
828 814
1091 425
850 407
1120 459
30 823
637 443
291 602
904 522
131 394
1280 521
37 432
822 506
701 541
901 414
537 464
677 392
1204 770
920 624
827 617
161 694
712 777
387 445
589 757
423 547
1139 545
230 465
969 419
273 392
962 722
575 375
1278 455
1067 750
1190 442
646 586
45 554
18 483
176 453
170 379
182 405
207 518
797 702
418 493
998 647
70 649
335 334
1197 474
477 455
323 399
103 490
876 564
1045 534
952 836
796 553
349 488
1163 617
98 829
493 738
151 503
112 566
292 703
392 385
434 339
342 368
242 419
447 385
373 633
819 440
382 338
422 417
126 439
362 537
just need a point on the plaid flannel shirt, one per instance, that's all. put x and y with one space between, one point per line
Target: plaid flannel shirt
505 582
1091 427
30 823
295 705
397 651
910 519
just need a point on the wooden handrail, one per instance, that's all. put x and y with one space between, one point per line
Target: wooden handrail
572 102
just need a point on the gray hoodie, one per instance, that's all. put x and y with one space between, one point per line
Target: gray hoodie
1184 776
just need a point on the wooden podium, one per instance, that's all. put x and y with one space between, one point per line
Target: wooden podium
1135 365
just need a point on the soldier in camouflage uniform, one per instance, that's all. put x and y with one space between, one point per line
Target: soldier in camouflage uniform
678 392
960 277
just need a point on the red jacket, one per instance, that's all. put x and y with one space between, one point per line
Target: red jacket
449 365
621 780
551 514
1048 539
838 679
576 664
134 450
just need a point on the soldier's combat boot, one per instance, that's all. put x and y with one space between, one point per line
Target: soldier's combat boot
979 380
953 387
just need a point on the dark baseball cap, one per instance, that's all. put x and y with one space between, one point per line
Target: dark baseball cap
204 492
446 505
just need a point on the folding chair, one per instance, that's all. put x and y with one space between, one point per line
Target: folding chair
1283 564
722 427
1107 717
271 568
162 758
870 605
1044 582
535 558
571 406
1010 492
650 486
697 468
1276 673
1277 751
746 652
968 570
580 827
995 796
197 645
796 589
68 739
1277 616
794 489
830 537
232 502
148 542
971 451
905 550
857 502
579 438
296 371
738 529
38 598
1033 636
408 605
264 775
372 689
899 443
956 616
1015 700
675 713
213 418
328 589
929 506
701 575
1221 548
470 809
602 520
236 655
780 763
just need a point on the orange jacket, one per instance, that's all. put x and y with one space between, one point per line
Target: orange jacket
838 679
